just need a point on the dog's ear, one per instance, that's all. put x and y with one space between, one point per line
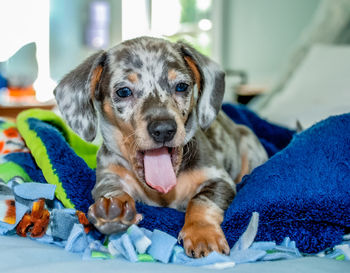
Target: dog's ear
210 80
75 93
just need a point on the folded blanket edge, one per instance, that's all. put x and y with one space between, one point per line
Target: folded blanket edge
73 139
38 149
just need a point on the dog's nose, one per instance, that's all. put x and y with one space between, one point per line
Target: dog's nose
162 130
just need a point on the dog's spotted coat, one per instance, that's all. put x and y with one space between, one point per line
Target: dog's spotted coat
209 153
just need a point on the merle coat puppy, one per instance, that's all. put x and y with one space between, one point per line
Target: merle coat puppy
165 140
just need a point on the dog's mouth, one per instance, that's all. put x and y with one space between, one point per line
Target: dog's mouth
158 167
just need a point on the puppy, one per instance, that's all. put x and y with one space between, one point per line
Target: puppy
164 144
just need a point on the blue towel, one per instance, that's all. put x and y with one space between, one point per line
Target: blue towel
302 192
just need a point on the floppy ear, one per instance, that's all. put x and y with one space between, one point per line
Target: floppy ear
75 92
210 80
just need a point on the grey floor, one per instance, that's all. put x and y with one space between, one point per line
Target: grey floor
25 255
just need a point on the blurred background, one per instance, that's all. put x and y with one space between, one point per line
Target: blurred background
286 60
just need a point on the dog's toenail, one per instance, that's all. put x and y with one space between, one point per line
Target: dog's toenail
193 254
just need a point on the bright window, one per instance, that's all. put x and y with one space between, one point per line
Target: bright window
22 22
189 20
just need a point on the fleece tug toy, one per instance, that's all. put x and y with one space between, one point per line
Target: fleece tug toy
302 192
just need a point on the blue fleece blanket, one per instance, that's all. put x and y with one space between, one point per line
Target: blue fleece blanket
302 192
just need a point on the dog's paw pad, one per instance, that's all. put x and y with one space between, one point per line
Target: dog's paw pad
113 215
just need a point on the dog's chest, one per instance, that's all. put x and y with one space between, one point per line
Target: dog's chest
188 184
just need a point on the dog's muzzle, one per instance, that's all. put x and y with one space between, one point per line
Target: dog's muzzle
162 131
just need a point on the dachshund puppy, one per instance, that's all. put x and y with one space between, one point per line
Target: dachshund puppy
165 140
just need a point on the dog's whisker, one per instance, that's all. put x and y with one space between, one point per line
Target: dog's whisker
134 147
126 139
190 151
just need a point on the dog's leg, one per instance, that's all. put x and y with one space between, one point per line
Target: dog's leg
202 233
251 151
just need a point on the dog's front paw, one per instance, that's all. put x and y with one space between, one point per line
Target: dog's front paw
199 239
114 214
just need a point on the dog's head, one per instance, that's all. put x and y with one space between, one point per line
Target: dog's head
144 93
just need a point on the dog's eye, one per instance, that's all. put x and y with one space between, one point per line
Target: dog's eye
124 92
181 87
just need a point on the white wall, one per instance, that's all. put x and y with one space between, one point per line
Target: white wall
68 21
259 34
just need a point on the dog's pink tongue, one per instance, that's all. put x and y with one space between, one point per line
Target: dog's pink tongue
159 171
